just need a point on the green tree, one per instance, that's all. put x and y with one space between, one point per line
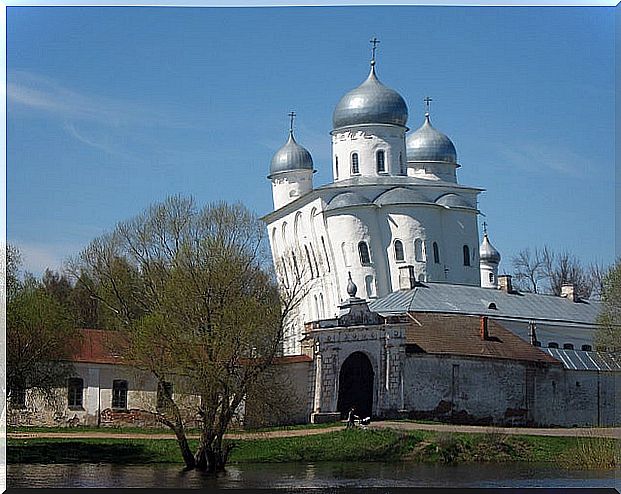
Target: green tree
609 334
40 335
192 292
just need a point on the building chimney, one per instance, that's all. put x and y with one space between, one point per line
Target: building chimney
568 290
504 283
532 332
407 278
484 333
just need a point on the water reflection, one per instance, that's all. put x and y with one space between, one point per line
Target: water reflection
319 475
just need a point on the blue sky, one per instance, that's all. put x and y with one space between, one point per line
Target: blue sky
112 109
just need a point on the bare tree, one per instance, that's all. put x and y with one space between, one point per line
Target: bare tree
546 271
192 292
529 269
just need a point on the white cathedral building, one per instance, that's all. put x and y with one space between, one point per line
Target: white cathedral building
394 214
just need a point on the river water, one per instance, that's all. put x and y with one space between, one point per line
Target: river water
310 475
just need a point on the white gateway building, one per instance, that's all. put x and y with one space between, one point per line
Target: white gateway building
394 215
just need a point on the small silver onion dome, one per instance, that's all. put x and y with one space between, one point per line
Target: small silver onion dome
428 144
370 103
290 157
487 252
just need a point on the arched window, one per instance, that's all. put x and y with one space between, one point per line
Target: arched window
568 346
401 167
345 254
380 158
310 264
419 254
325 253
322 306
399 255
552 344
315 261
369 284
466 255
317 316
285 275
436 253
363 250
355 165
295 265
336 167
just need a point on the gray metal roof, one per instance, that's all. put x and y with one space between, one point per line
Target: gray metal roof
400 195
346 199
290 157
453 201
393 180
464 299
581 360
429 145
370 103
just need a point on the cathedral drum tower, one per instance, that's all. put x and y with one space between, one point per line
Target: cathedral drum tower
394 215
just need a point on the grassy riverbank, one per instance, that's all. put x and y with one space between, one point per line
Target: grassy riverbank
342 445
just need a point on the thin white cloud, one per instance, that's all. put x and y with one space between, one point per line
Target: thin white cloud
40 93
537 156
97 143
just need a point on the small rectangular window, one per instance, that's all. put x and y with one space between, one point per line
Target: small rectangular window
75 392
381 161
119 394
587 348
355 166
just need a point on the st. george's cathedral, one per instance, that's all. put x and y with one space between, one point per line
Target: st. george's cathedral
404 313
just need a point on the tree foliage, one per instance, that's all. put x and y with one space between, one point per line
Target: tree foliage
40 334
190 290
609 333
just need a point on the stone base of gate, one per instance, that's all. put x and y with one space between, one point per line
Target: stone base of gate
325 417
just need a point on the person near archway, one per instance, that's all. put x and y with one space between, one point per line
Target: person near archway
351 418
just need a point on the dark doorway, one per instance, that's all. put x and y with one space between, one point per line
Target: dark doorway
356 385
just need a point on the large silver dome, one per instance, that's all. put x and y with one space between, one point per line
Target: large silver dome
370 103
290 157
428 144
487 252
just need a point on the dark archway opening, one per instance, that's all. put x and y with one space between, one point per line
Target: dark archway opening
356 385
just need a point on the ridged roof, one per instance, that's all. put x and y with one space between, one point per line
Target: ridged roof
461 335
465 299
453 201
400 195
346 199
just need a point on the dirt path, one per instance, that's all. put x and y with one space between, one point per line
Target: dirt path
614 432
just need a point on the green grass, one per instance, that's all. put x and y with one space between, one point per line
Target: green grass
342 445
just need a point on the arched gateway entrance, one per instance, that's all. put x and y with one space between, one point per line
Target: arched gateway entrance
356 385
